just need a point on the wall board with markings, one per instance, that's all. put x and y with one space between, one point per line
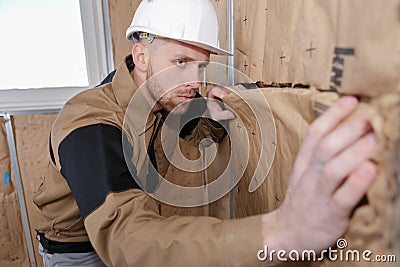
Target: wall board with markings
13 250
331 45
121 14
32 133
31 136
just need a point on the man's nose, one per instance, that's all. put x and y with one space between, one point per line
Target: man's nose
194 84
194 75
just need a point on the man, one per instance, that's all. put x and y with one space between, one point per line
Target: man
96 214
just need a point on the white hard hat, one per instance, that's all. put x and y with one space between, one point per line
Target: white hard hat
190 21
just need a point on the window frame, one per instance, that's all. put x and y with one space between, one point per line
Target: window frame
99 62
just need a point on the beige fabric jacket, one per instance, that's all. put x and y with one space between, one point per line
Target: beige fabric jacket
126 229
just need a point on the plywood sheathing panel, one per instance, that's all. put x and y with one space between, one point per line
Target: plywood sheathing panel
13 252
250 24
121 14
221 9
349 46
31 139
273 40
372 28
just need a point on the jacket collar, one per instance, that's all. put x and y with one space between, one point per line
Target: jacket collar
130 99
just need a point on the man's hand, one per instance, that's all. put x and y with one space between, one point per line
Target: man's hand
214 103
331 174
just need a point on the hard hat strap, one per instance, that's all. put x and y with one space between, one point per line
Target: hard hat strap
144 35
149 36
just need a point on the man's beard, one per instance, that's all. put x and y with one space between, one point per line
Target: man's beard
165 99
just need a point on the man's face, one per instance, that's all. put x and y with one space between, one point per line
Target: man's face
175 61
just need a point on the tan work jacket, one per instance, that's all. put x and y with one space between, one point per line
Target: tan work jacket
125 227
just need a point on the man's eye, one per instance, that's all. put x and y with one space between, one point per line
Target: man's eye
180 63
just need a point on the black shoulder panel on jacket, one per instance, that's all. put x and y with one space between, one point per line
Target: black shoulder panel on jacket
108 79
92 161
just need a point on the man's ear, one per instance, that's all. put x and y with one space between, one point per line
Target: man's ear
140 57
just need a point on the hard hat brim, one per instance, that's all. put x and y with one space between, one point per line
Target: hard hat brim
213 50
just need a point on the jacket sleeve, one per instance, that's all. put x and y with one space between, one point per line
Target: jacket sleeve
126 230
123 223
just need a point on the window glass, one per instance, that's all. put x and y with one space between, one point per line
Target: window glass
41 44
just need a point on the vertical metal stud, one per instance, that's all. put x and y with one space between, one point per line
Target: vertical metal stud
231 44
231 77
20 191
206 199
